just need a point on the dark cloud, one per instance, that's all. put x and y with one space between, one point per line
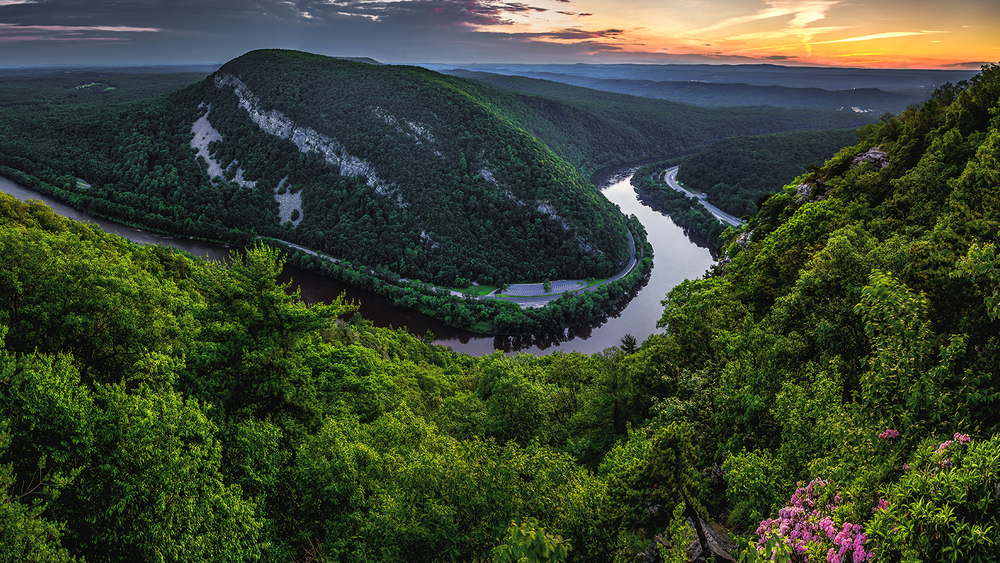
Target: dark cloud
974 65
199 31
777 58
575 34
182 14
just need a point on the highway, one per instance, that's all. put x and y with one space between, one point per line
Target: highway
670 176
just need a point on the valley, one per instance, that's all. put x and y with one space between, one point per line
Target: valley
816 383
406 181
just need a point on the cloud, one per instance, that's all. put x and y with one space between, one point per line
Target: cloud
13 32
185 13
804 12
886 35
574 34
972 65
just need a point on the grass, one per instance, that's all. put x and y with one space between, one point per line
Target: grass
479 290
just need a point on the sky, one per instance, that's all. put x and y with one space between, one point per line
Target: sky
846 33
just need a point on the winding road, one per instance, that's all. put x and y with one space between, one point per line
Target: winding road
530 295
525 295
670 176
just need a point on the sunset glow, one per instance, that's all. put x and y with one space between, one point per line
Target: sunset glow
890 33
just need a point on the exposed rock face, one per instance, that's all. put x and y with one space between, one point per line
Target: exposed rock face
306 139
720 545
805 193
878 158
204 134
288 202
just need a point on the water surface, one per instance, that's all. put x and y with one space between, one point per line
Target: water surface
676 258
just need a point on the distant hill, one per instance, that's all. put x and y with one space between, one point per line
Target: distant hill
707 94
737 172
404 170
594 129
915 82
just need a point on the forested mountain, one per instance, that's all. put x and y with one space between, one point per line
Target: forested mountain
914 82
739 172
828 392
593 129
709 94
389 166
398 172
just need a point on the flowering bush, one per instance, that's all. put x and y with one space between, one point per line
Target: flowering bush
944 507
808 529
888 434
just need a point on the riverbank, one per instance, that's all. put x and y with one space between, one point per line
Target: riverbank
530 314
483 316
635 313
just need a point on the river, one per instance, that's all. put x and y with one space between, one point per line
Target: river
676 258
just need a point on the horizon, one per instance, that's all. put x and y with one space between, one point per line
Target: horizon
892 34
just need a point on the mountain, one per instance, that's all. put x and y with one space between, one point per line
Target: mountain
916 82
708 94
829 390
398 169
594 129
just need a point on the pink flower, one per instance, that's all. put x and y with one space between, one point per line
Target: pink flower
962 438
944 445
888 434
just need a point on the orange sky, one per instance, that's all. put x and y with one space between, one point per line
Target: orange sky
888 33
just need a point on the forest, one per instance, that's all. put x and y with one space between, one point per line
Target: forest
737 174
403 173
827 392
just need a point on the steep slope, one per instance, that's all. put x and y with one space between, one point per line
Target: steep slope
594 129
400 167
848 342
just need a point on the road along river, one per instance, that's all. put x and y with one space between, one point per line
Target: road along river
675 259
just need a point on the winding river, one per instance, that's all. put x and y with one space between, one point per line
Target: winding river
676 258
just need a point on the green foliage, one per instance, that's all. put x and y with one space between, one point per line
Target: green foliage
944 507
755 486
25 534
162 408
528 543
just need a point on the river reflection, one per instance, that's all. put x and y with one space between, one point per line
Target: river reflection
675 258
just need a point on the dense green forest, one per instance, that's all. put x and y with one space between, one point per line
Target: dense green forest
827 392
717 94
400 172
593 129
736 173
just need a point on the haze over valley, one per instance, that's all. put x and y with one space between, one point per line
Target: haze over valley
561 280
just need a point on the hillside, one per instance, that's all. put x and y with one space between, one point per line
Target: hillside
398 172
593 129
828 392
710 94
391 167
